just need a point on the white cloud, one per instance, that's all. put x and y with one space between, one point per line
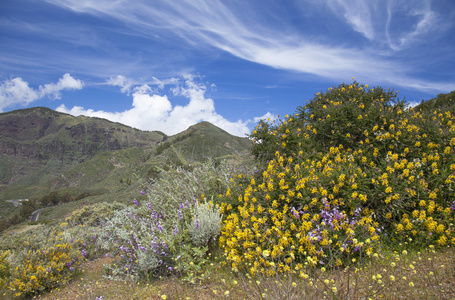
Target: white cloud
67 82
268 116
152 111
399 23
357 13
412 104
243 32
127 84
121 81
426 22
16 91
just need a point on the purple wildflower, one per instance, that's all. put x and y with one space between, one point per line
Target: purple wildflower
197 223
160 227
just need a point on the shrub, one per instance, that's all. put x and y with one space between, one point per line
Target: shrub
44 269
170 230
344 172
93 215
5 267
206 224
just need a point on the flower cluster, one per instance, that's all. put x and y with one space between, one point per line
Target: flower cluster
44 269
46 261
171 229
352 166
147 240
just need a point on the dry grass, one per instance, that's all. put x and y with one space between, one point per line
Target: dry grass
416 275
19 228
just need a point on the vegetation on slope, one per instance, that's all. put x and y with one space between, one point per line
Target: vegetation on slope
46 154
367 213
349 171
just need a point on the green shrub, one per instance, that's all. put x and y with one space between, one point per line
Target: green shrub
351 168
93 215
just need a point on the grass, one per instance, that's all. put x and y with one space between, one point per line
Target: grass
416 275
19 228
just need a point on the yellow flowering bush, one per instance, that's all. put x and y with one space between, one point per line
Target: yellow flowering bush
44 269
352 167
4 268
40 259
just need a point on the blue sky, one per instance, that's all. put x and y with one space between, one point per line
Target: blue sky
165 65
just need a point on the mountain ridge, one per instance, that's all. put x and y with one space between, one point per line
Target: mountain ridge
44 151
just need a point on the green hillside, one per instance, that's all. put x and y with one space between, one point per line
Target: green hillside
43 151
441 101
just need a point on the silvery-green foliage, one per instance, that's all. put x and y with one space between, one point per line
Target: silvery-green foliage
140 242
171 228
179 184
205 224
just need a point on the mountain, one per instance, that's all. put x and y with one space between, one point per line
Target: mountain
42 134
44 151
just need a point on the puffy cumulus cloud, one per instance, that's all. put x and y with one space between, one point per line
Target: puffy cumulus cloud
67 82
268 117
151 110
16 91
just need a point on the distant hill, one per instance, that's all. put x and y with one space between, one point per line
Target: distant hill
42 134
442 100
44 151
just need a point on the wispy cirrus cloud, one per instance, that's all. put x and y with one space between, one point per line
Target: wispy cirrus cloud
395 23
248 34
16 91
358 13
